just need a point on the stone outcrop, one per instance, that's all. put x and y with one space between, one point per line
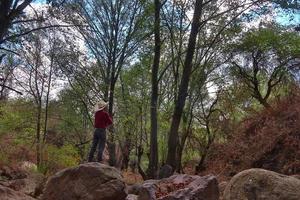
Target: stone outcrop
90 181
180 187
259 184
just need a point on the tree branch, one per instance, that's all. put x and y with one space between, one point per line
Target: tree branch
12 89
36 29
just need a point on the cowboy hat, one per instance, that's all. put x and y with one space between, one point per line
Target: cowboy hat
100 105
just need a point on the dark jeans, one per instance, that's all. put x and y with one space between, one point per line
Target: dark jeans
99 137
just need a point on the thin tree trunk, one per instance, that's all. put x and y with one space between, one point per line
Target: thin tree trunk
47 100
38 135
184 137
183 88
153 162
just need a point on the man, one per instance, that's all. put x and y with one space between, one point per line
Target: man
102 121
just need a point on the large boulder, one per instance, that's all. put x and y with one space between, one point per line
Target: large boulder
90 181
259 184
10 194
180 187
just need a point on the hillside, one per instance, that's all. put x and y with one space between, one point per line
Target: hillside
268 140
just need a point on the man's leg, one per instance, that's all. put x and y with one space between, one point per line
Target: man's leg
102 141
94 146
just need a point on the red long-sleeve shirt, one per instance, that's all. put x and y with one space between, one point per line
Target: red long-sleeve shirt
102 119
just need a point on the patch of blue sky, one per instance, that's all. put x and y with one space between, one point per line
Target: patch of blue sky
40 1
288 19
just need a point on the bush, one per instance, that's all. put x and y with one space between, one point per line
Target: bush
59 158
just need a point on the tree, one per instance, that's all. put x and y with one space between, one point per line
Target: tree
9 11
153 162
173 137
36 78
263 59
15 23
210 11
112 35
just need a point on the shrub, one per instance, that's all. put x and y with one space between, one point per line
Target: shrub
57 158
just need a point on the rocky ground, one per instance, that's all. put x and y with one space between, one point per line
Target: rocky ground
95 181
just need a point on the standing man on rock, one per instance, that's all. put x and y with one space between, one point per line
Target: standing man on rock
102 121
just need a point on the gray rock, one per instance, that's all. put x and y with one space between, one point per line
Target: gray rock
134 189
259 184
181 187
165 171
10 194
90 181
31 185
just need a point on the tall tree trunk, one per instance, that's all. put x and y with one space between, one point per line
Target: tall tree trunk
111 143
153 162
183 88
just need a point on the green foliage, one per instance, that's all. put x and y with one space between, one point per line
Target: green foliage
17 118
59 158
285 44
4 159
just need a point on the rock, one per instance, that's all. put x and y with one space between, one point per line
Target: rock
90 181
259 184
180 187
134 189
296 176
132 197
31 185
10 194
148 190
222 187
165 172
8 173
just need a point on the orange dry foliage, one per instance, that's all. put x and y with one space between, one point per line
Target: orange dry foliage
269 140
11 154
131 178
165 188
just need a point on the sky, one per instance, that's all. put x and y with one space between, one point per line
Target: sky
281 17
286 20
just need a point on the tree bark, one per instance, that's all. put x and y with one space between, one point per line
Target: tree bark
9 10
183 88
153 162
38 135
